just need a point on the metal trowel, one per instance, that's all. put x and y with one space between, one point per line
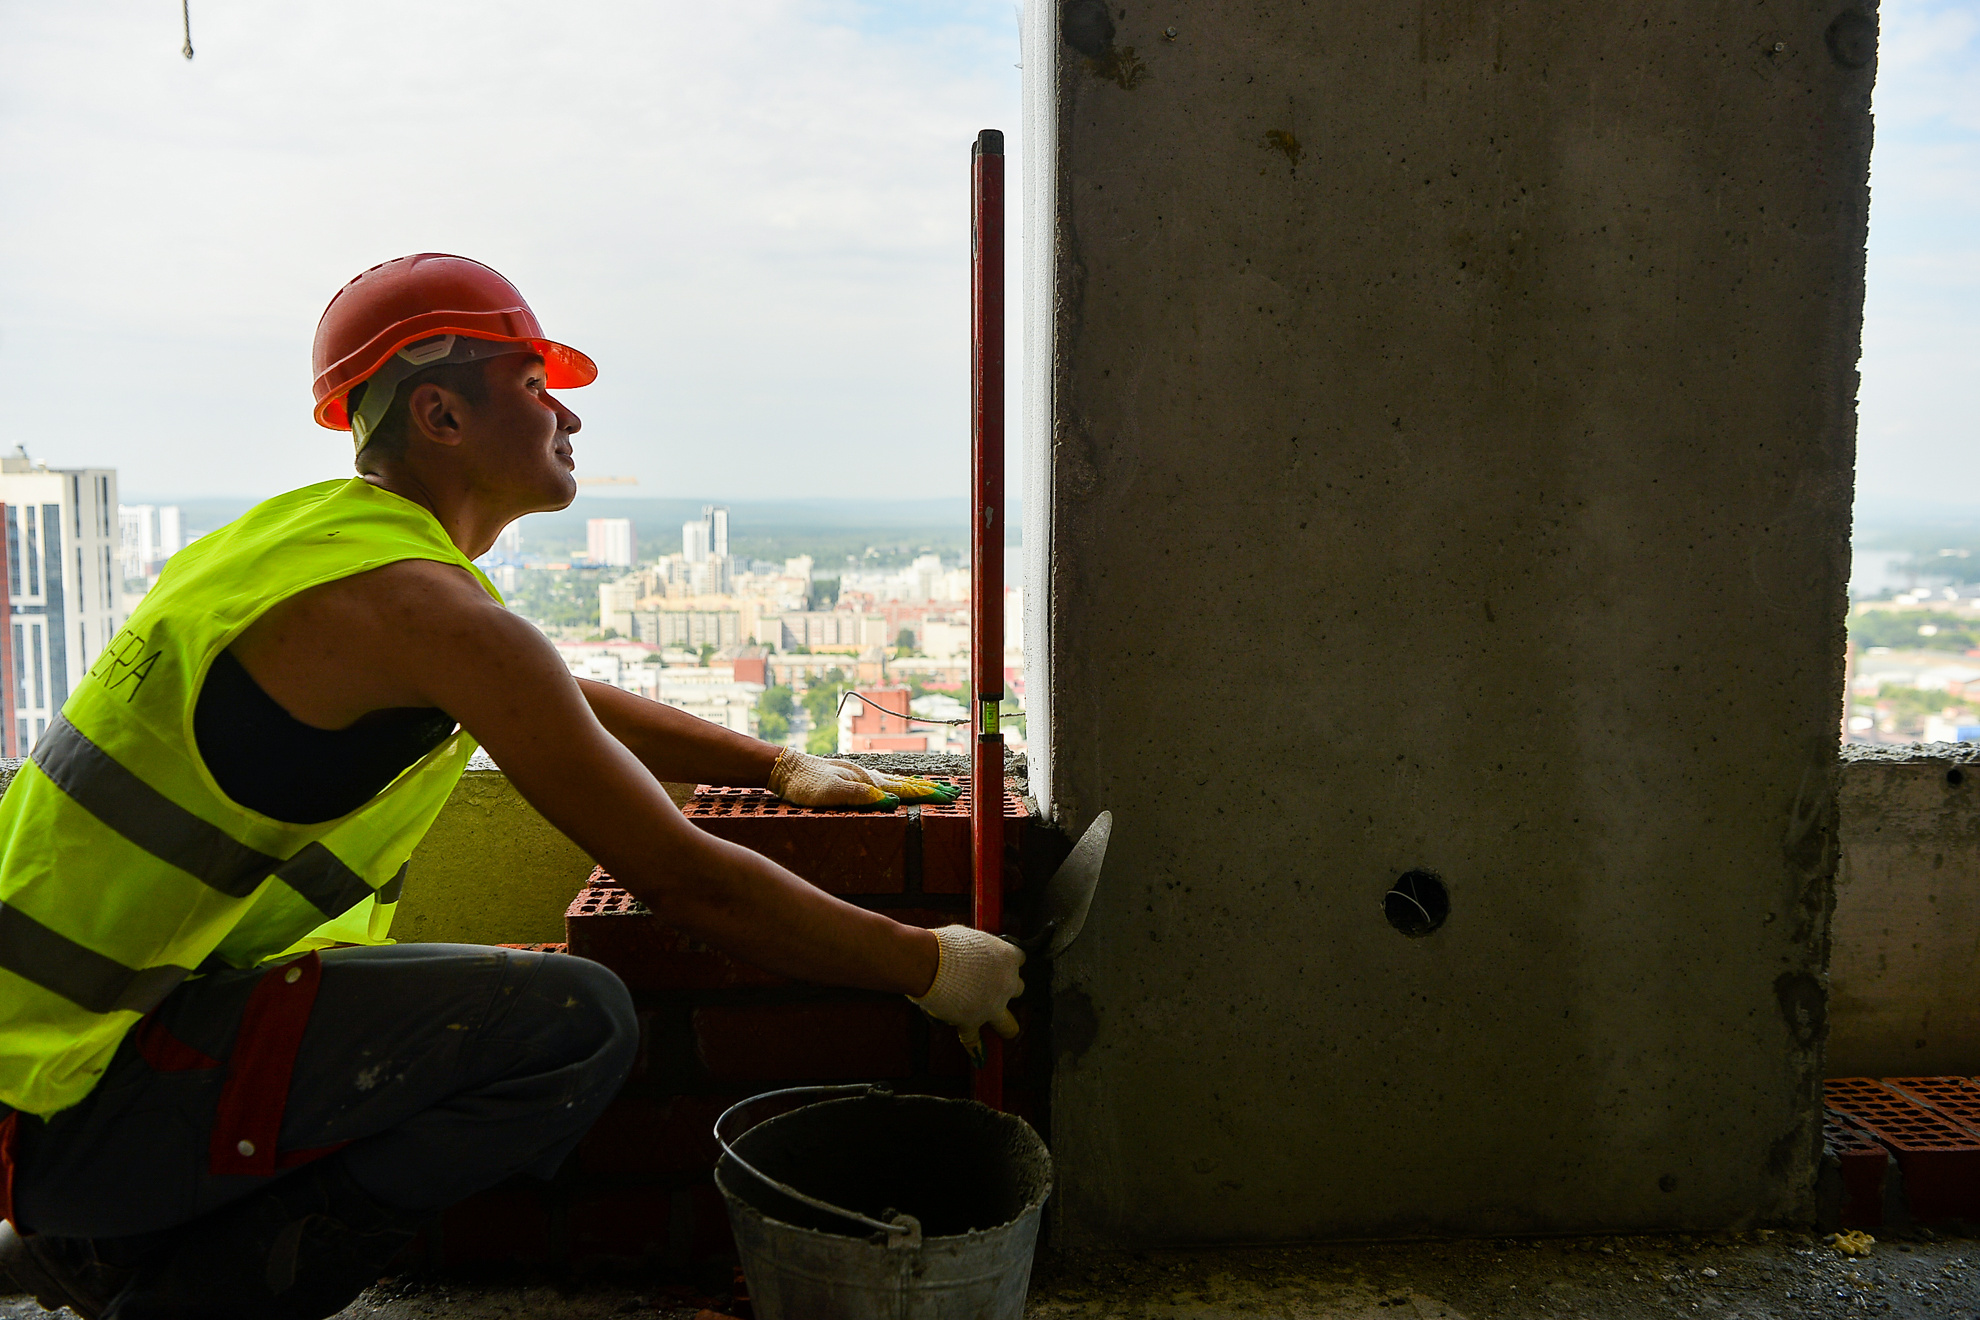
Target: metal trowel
1069 893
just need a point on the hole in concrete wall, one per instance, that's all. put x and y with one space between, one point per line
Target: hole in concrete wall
1418 903
1955 777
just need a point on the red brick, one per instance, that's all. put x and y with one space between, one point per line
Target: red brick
709 1237
945 850
1863 1166
638 1137
1940 1159
1954 1097
623 1224
842 852
799 1042
608 925
503 1225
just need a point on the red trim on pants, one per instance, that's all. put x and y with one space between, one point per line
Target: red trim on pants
10 1126
247 1121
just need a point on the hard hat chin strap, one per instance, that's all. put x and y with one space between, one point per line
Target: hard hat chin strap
374 394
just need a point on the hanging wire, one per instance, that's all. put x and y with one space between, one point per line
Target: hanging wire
185 13
874 705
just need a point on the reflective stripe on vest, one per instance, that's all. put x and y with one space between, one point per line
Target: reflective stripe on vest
123 864
79 974
145 816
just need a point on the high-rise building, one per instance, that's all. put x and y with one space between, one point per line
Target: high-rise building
694 541
615 603
705 548
63 586
148 535
171 531
799 567
609 541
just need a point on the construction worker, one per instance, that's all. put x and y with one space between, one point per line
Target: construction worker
224 1094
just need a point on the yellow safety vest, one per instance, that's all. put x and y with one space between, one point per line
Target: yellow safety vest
124 868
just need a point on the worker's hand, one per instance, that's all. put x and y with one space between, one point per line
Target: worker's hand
975 981
813 781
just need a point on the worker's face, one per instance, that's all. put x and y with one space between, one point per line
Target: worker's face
517 440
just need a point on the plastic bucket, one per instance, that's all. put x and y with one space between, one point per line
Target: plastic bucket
878 1206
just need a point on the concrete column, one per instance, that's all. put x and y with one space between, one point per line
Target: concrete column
1453 434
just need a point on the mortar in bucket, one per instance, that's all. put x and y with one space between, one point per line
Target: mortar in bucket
876 1206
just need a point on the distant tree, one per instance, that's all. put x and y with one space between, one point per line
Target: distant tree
823 740
824 594
1899 630
707 653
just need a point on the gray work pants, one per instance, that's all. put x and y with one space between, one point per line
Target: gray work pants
446 1068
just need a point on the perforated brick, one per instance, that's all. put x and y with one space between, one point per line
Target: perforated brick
1940 1159
1895 1119
1954 1097
610 926
945 851
842 852
852 1041
1863 1166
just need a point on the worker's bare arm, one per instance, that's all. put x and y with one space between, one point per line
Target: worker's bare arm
421 633
676 746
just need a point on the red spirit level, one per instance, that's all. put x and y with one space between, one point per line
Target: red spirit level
986 594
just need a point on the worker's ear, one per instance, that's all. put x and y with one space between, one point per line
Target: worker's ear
437 413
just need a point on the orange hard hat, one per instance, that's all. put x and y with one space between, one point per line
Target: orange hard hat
429 296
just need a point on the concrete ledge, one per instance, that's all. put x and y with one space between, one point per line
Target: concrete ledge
1905 949
490 871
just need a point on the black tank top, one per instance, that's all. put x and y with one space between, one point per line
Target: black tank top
269 761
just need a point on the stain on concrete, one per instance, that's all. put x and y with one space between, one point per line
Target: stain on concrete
1087 27
1804 1007
1120 66
1075 1025
1852 39
1282 141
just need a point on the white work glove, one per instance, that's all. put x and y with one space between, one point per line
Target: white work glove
813 781
975 982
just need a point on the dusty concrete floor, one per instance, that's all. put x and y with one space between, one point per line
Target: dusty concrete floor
1777 1276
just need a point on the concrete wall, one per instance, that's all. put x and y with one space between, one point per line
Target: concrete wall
490 871
1451 469
1906 963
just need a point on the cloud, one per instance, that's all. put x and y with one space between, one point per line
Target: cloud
753 214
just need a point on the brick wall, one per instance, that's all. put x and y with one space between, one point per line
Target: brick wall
713 1030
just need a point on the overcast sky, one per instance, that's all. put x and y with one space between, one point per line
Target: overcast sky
752 213
1919 422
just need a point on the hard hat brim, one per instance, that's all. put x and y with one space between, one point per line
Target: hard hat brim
564 367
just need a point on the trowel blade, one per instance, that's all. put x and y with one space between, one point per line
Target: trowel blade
1070 891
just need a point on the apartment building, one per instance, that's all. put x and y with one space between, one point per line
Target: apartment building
64 583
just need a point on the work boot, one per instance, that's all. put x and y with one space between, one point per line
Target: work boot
83 1274
301 1248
